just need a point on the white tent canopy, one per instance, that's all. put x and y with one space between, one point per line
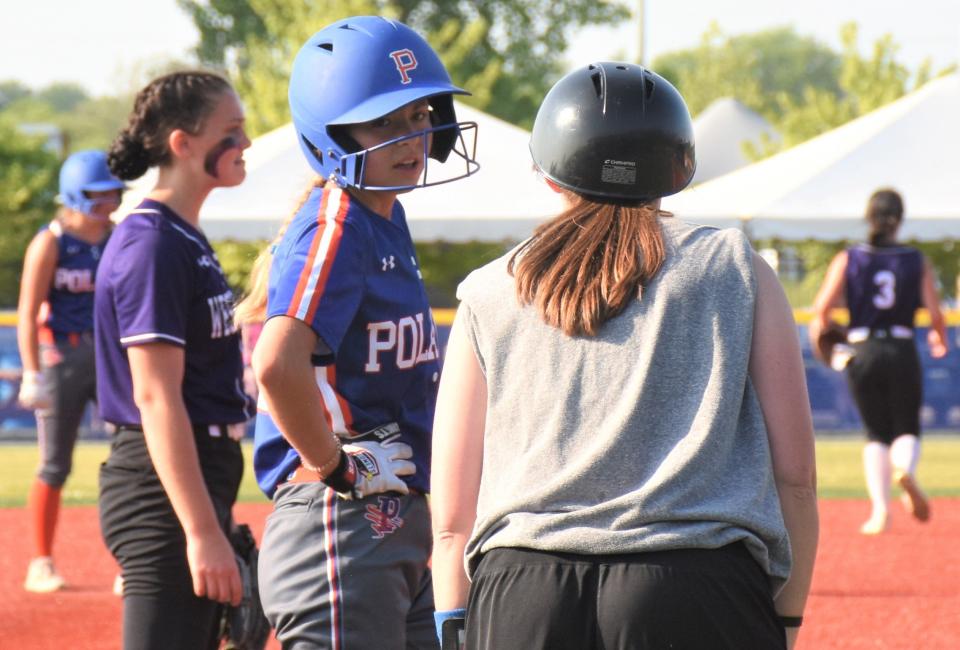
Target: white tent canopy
720 131
819 189
504 200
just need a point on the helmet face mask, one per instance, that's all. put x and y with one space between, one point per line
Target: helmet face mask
352 167
614 131
84 172
360 69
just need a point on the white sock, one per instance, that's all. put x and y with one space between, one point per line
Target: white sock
876 468
905 453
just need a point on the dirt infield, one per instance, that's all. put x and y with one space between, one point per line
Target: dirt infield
900 590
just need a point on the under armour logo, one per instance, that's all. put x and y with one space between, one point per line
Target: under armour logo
405 62
388 263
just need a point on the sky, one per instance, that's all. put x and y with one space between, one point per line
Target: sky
104 45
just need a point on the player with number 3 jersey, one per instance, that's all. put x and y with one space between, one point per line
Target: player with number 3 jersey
347 362
883 283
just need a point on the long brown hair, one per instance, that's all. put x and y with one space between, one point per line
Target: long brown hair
253 307
584 266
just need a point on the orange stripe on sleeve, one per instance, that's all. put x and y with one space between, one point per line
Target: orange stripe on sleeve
307 269
331 255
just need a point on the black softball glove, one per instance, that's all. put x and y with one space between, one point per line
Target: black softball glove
245 627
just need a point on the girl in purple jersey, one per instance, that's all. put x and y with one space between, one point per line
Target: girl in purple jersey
347 360
883 283
55 338
169 368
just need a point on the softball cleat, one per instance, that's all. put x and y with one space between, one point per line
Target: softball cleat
913 499
42 576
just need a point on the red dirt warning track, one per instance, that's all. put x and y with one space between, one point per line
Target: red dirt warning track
900 590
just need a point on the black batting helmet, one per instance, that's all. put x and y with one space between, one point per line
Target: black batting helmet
615 130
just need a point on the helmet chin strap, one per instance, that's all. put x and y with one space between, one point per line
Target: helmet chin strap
213 156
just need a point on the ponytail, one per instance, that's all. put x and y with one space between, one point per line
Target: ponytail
884 215
253 307
588 264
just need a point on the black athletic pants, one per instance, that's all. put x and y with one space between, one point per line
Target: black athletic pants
683 600
141 529
886 382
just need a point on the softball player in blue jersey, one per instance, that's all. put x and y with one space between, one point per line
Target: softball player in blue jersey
883 283
347 361
170 371
55 337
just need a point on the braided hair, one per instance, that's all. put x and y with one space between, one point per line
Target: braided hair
180 100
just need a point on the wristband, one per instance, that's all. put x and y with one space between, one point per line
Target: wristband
791 621
344 477
451 615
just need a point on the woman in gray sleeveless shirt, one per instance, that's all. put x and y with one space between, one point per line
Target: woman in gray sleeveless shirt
623 452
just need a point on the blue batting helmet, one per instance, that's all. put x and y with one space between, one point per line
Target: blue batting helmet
86 171
359 69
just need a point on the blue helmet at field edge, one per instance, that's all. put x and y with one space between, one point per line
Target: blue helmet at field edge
359 69
86 171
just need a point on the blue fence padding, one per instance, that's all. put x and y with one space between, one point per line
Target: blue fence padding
833 407
830 401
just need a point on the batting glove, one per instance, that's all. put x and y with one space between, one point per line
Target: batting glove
33 393
369 467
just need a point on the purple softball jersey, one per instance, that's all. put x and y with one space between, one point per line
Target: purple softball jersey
160 282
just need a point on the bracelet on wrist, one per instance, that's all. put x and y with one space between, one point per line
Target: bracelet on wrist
790 621
327 468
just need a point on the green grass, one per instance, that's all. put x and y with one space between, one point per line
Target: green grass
839 469
18 463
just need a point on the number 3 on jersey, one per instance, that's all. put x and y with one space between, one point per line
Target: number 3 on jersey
886 295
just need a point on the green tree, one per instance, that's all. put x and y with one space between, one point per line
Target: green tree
27 109
864 84
95 122
12 90
90 124
236 258
756 69
28 176
506 53
62 96
799 85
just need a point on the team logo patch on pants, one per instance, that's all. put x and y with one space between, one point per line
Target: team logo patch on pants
384 517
